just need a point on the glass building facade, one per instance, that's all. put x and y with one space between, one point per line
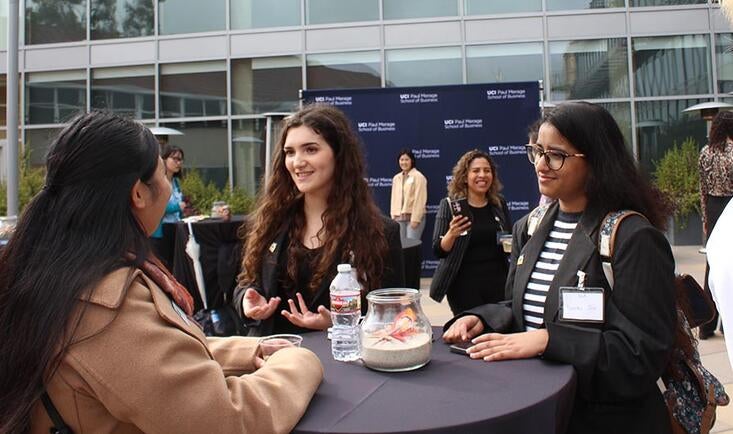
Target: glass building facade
217 70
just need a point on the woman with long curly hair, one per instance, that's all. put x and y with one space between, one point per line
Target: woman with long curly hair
473 267
315 212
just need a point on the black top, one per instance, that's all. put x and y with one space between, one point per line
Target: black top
307 260
482 247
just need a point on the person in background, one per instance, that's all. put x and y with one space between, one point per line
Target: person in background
716 186
316 211
96 330
173 162
472 268
409 197
622 340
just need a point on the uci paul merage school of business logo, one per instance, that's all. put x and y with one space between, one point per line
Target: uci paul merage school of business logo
418 98
334 100
376 127
494 94
454 124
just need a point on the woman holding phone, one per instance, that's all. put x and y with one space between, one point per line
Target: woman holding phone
473 266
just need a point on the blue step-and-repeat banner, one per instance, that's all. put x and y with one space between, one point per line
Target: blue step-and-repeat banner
439 124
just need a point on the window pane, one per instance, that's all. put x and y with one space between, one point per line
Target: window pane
37 143
248 149
121 18
661 124
205 147
671 65
128 91
54 97
504 62
424 66
193 89
252 14
485 7
400 9
595 68
341 11
665 2
343 70
554 5
49 21
191 16
621 112
724 56
269 84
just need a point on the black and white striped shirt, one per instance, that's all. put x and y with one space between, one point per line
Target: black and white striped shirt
533 307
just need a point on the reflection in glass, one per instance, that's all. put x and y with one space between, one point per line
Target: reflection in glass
37 142
671 65
483 7
621 112
128 91
423 66
661 124
595 68
205 146
343 70
54 97
4 100
665 2
253 14
341 11
504 62
268 84
248 150
191 16
193 89
401 9
724 57
52 21
555 5
112 19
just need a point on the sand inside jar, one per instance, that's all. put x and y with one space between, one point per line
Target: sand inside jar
393 355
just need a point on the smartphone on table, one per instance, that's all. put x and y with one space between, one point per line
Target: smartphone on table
461 347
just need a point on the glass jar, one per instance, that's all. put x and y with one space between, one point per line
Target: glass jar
7 228
395 334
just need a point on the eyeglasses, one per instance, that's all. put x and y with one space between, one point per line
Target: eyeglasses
177 159
554 159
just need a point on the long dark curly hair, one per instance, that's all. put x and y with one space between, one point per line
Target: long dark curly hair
352 222
458 186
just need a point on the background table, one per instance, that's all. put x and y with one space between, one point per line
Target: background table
413 262
451 393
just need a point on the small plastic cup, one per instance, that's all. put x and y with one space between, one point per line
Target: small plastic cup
269 345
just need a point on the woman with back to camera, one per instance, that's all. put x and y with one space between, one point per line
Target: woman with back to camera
91 320
581 161
315 212
409 197
173 161
472 268
716 186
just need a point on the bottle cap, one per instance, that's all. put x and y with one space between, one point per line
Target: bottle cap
344 268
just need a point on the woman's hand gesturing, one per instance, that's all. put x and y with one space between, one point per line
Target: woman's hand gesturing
255 306
320 320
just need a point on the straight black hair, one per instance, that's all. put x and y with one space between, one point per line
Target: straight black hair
73 233
167 151
614 181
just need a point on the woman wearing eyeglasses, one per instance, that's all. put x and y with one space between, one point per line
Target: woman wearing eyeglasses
173 161
473 266
562 308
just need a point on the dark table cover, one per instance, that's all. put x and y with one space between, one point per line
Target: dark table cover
411 255
452 393
220 258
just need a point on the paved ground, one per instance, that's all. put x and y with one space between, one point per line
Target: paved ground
713 351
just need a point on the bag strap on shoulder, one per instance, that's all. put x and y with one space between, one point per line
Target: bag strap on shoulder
607 239
59 426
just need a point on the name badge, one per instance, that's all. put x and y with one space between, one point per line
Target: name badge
409 180
581 304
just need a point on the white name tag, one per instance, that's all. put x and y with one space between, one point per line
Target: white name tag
578 304
410 181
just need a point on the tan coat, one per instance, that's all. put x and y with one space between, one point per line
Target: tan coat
415 193
138 366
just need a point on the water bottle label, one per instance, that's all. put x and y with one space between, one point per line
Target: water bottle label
346 302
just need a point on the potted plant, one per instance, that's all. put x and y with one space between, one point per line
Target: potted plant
677 176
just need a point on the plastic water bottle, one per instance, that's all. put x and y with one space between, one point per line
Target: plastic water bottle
345 312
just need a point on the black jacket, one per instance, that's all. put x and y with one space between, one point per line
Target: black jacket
275 260
619 361
450 262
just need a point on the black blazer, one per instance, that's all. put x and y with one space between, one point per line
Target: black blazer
619 361
450 262
275 260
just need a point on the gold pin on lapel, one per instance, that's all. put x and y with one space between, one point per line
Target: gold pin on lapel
273 246
520 260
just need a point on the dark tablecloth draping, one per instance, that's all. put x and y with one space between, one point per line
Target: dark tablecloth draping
452 393
411 255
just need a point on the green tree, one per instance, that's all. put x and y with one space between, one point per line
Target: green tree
677 176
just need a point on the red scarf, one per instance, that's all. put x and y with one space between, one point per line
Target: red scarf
158 273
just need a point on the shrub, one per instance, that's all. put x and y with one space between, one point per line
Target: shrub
677 176
202 195
30 182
